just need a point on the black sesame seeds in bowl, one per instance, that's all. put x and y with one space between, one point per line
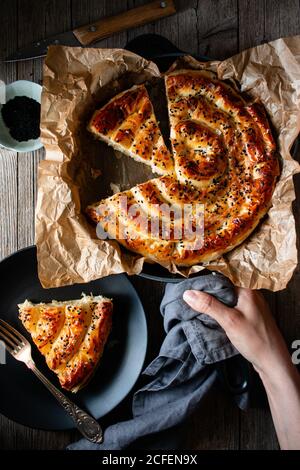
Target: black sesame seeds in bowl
20 117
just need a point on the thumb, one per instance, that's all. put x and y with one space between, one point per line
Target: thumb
208 304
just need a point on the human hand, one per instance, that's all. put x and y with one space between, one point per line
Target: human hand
249 326
253 331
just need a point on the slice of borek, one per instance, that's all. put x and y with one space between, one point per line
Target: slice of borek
71 335
128 123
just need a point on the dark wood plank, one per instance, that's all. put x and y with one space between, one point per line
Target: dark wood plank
8 203
8 160
43 23
8 178
257 430
215 425
217 28
27 162
182 31
251 18
8 175
286 22
209 28
284 19
269 20
35 20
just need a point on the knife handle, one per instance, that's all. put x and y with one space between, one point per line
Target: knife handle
114 24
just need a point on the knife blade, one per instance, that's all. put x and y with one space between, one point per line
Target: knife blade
39 48
105 27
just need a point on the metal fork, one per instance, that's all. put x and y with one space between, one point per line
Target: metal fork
18 346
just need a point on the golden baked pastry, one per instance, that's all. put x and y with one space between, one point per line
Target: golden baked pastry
224 158
71 335
127 123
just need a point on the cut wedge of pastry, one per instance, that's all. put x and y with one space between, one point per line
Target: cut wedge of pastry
127 123
71 335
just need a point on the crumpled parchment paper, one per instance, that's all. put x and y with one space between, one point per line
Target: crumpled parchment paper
78 170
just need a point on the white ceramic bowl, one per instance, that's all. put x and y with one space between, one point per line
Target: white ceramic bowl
20 88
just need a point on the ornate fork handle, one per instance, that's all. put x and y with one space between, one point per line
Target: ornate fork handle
87 425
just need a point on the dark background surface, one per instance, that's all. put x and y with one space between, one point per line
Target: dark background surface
219 29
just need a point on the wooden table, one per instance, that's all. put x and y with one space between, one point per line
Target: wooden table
218 29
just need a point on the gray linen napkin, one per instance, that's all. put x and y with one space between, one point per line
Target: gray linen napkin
183 372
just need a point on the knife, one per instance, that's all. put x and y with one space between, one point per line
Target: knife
103 28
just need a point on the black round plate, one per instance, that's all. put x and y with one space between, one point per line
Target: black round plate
22 397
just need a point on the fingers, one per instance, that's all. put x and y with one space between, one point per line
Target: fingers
252 304
205 303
